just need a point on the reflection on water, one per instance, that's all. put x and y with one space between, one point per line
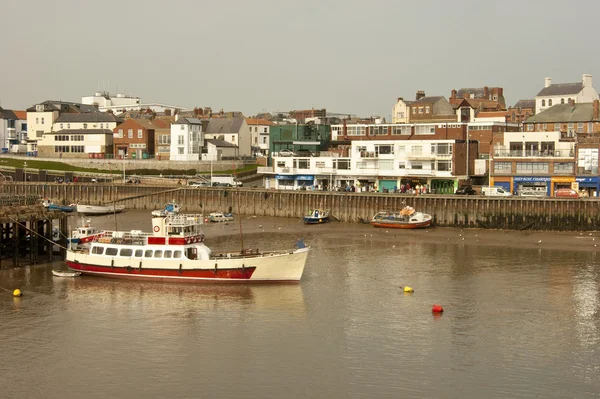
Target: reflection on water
517 323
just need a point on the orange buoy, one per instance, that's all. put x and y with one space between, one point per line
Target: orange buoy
437 309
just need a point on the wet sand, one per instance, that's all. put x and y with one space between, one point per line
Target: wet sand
565 241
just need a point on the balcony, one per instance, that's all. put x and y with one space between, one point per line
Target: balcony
420 156
533 154
264 169
11 133
367 154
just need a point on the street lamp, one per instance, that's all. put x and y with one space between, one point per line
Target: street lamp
467 173
25 171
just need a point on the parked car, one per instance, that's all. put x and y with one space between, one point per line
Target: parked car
533 193
286 153
465 190
495 192
566 193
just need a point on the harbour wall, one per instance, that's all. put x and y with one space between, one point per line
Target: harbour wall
452 211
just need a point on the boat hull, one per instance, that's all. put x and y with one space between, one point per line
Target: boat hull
91 210
401 225
62 208
312 220
277 268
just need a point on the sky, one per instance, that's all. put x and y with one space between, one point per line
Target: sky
347 56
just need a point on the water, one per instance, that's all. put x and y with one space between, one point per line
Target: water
518 323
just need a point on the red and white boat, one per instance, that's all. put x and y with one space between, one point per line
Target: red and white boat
85 234
407 218
175 251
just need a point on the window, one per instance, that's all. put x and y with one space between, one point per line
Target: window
378 131
441 149
303 164
111 251
139 253
180 139
579 127
532 167
98 250
562 100
502 167
384 149
557 127
264 140
417 150
543 103
425 129
266 130
563 167
180 150
341 164
233 139
545 126
397 130
129 133
530 127
414 110
571 125
68 125
164 139
61 125
549 102
177 254
120 133
148 253
356 130
443 166
182 127
42 121
416 165
168 254
126 252
158 253
37 120
85 125
420 110
320 164
361 165
281 164
590 128
401 165
426 110
140 134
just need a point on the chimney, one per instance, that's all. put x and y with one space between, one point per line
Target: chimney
547 82
453 95
486 92
400 99
420 95
596 110
586 80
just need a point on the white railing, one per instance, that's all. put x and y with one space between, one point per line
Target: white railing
11 133
264 169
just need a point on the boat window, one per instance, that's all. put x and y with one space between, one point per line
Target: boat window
111 251
126 252
98 250
168 253
177 254
158 253
148 253
139 253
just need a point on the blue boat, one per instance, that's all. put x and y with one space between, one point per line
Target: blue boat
317 216
54 207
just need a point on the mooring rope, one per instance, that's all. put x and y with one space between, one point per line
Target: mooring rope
36 233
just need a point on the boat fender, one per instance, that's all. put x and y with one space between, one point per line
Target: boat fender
408 289
180 268
17 293
140 266
437 309
215 268
112 263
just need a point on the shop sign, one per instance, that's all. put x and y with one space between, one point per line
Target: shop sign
284 177
531 179
305 177
593 180
563 179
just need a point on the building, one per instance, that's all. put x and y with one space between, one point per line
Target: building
233 130
76 143
122 103
570 119
259 131
431 109
562 93
309 139
487 97
542 161
218 149
162 138
93 120
186 139
136 138
522 110
13 130
41 117
436 166
401 111
301 115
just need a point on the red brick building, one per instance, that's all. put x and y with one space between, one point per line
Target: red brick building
135 138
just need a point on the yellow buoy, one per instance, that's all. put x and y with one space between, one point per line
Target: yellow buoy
17 292
408 289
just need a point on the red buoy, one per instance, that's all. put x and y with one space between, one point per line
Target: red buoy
437 309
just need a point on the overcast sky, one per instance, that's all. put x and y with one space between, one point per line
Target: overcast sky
349 56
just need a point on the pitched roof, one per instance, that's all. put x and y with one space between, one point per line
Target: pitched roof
561 89
477 92
87 117
258 121
7 114
21 115
82 131
428 100
188 121
220 143
219 125
51 105
525 104
579 112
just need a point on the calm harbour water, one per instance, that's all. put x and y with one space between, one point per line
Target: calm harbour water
519 323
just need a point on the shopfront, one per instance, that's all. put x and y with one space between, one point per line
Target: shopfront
444 186
562 182
285 182
531 183
387 186
588 186
411 184
305 181
504 182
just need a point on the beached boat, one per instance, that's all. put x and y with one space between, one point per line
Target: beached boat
175 251
99 209
407 218
317 216
85 234
60 273
55 207
217 217
169 209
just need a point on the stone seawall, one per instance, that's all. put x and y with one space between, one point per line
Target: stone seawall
452 211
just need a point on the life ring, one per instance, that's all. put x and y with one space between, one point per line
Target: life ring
156 229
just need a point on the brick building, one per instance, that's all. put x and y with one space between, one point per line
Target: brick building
135 138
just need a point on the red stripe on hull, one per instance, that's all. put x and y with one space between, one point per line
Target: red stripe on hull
401 226
226 275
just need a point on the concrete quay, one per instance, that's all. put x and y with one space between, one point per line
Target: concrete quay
447 210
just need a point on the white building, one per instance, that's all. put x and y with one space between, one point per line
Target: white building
371 165
96 120
76 143
120 103
400 111
13 130
259 132
561 93
186 139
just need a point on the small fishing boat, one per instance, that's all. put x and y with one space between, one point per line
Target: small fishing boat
99 209
55 207
407 218
317 216
85 234
60 273
218 217
171 208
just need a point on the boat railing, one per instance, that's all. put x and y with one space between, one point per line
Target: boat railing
184 220
121 237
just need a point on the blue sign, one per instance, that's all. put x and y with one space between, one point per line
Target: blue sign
530 179
284 177
305 177
593 180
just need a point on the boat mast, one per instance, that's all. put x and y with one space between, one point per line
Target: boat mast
237 189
